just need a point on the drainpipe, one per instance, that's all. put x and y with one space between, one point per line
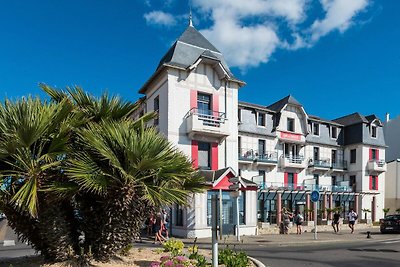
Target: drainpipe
226 146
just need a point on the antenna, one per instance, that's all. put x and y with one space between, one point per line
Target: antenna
190 14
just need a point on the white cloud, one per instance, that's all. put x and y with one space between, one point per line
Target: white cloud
243 46
160 18
248 32
339 16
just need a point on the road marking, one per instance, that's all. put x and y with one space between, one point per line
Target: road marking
391 242
8 243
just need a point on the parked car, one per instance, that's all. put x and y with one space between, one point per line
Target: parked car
390 224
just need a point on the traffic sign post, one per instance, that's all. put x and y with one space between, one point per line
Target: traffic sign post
315 199
235 186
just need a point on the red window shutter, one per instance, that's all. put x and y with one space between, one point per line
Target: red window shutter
286 179
215 104
193 99
370 153
195 154
214 156
377 154
376 183
295 180
370 182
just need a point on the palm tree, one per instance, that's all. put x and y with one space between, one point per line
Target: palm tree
33 144
135 167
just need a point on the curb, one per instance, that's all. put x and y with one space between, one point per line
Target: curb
257 262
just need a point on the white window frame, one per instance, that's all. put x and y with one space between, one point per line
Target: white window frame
265 119
372 131
314 124
337 132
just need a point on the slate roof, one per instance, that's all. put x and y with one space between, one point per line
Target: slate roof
351 119
316 118
277 106
189 47
256 106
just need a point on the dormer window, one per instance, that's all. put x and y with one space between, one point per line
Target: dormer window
334 131
290 124
316 129
373 131
261 119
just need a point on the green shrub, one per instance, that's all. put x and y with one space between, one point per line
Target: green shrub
230 258
174 246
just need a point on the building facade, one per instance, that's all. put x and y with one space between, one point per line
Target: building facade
279 151
391 130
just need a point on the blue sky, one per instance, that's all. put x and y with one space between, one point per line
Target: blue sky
335 56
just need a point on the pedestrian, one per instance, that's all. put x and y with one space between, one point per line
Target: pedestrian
150 224
298 219
335 222
287 216
352 219
165 219
158 226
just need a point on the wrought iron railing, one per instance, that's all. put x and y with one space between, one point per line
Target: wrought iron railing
296 159
305 187
209 117
379 162
255 155
339 164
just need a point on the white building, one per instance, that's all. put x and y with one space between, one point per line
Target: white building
280 151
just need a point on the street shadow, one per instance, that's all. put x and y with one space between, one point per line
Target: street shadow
33 261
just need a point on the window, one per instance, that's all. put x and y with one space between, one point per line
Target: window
352 182
204 155
178 215
373 154
333 180
239 145
334 132
261 119
156 109
204 104
373 131
316 129
239 115
316 153
227 207
373 182
353 156
290 125
261 147
334 156
261 173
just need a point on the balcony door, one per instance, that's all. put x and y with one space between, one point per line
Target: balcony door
291 150
204 104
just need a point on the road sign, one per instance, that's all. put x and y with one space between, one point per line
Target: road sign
234 186
234 180
314 196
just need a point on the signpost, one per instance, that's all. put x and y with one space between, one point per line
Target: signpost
315 199
214 229
235 194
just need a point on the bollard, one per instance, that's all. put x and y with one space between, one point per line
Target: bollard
368 234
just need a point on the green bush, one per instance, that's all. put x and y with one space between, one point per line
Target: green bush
230 258
174 246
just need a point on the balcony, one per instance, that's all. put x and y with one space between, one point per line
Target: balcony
289 161
304 187
339 166
281 186
319 164
247 156
207 123
376 166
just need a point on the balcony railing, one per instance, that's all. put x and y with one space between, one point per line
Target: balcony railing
255 155
206 123
289 161
304 187
209 117
376 165
319 163
339 165
296 159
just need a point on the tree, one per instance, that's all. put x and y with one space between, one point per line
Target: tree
80 166
386 211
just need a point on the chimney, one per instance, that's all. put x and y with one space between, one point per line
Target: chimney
387 117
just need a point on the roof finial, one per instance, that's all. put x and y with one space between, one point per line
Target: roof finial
190 14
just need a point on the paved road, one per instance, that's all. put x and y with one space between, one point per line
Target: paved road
347 254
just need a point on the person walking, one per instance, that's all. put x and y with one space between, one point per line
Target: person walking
165 220
298 219
352 219
335 222
287 216
158 226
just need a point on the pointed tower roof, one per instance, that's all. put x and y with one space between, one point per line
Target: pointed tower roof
277 106
186 52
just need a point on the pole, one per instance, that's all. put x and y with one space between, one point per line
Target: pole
237 218
315 219
220 214
214 229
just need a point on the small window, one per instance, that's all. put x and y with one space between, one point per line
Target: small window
316 129
261 147
373 131
374 182
334 132
261 119
157 109
290 125
239 115
316 153
353 156
204 155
